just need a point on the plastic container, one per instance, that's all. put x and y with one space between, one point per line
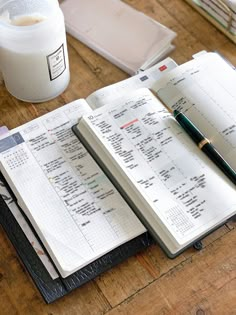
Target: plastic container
33 50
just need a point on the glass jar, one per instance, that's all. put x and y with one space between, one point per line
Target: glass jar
33 49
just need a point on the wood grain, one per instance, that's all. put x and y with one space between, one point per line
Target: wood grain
199 283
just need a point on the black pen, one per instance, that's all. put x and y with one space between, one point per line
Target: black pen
205 145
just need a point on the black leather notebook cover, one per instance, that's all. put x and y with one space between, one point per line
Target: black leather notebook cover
51 289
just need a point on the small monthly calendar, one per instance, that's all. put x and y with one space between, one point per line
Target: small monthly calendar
15 158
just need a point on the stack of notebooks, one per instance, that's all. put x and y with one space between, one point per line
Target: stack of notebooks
222 13
97 180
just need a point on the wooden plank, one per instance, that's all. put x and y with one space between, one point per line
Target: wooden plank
195 287
149 283
123 281
19 296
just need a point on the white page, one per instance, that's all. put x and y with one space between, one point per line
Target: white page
172 174
145 78
74 208
28 231
204 89
13 207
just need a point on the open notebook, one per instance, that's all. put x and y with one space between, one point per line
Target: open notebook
139 169
68 186
176 190
75 210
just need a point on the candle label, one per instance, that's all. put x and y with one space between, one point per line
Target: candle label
56 63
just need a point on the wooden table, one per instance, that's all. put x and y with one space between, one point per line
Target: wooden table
197 282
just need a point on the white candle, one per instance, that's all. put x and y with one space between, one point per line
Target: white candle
33 56
26 20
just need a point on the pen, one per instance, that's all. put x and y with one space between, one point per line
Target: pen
205 145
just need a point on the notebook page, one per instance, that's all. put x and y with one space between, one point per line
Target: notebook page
74 208
166 168
204 89
13 207
145 78
27 231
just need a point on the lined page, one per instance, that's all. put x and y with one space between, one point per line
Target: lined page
76 211
204 89
162 163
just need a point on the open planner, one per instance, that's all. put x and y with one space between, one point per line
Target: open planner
53 152
128 167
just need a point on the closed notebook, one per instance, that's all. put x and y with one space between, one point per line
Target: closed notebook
126 37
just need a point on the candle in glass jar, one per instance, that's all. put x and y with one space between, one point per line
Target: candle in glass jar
34 59
26 20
